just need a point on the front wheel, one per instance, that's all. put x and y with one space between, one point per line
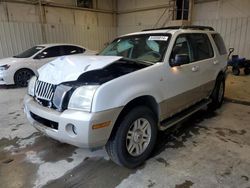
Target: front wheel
22 77
133 141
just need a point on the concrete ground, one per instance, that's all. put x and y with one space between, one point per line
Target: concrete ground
208 150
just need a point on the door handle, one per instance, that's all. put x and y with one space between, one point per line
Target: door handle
195 68
216 62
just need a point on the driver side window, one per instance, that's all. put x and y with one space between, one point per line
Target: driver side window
182 46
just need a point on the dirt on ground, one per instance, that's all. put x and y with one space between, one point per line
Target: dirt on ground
208 150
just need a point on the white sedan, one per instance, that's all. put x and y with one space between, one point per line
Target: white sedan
19 69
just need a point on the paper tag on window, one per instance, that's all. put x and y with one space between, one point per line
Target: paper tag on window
162 38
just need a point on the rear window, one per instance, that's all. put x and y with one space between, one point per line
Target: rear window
69 50
220 44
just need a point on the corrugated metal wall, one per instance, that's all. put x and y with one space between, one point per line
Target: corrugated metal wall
92 37
122 30
16 37
235 32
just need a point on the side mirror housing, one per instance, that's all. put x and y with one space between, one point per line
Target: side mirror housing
39 56
180 59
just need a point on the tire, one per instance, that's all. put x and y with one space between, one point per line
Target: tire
236 71
123 145
22 76
217 95
247 71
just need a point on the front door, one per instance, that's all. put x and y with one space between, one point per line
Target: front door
182 83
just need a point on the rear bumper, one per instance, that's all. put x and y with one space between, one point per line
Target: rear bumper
83 135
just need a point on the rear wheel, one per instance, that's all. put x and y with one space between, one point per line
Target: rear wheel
134 139
217 95
247 71
22 76
236 71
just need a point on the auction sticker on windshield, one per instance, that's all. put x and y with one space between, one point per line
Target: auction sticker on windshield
162 38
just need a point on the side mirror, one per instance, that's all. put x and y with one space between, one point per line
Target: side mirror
38 56
180 59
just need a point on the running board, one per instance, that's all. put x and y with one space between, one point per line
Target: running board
177 118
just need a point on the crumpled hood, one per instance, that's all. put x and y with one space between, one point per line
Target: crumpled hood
69 68
11 60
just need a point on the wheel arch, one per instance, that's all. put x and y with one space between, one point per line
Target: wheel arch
20 69
220 74
145 100
24 68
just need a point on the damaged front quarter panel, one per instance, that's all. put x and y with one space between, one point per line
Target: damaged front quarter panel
95 77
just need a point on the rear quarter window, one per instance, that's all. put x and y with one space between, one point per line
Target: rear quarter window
220 44
70 50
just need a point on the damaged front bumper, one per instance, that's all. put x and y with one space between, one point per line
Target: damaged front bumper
74 127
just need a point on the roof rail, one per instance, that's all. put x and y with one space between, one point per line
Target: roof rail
194 27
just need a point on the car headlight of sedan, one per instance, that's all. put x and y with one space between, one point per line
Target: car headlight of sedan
81 99
4 67
31 86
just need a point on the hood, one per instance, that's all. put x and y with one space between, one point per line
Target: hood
10 61
69 68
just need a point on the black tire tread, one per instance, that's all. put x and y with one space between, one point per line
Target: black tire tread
236 71
214 104
20 70
247 71
112 144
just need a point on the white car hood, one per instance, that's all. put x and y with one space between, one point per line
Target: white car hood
69 68
11 60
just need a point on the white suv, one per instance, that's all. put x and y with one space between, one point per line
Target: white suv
140 83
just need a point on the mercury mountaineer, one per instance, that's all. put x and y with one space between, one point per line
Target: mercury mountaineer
140 84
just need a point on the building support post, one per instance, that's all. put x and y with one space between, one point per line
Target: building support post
42 22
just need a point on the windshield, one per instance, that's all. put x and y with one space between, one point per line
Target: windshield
30 52
146 47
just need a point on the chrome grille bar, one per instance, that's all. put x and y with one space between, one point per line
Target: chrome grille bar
44 90
48 91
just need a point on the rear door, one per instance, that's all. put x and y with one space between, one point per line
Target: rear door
206 60
221 52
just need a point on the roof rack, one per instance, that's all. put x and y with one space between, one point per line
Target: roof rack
194 27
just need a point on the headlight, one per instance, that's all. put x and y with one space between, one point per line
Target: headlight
60 94
4 67
81 99
31 86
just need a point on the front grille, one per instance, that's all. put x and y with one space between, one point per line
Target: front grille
44 90
45 122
